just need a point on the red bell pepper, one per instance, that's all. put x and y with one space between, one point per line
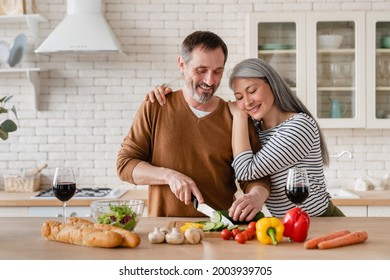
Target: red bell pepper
296 224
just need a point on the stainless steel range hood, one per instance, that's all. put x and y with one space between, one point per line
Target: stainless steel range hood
84 29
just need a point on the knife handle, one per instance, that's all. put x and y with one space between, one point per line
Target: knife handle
194 200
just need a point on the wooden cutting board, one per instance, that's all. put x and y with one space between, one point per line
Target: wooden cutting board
207 234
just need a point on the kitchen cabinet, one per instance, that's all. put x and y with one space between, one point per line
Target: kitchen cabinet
280 39
57 211
378 211
354 211
333 81
13 211
32 21
378 81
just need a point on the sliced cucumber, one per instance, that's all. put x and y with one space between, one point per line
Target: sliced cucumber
232 227
208 226
217 217
219 226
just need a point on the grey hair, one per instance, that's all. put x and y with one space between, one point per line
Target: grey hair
285 99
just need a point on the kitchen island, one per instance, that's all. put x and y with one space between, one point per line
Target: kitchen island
20 239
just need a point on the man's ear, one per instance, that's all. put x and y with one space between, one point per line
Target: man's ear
181 63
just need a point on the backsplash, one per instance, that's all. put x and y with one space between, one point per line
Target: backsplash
87 102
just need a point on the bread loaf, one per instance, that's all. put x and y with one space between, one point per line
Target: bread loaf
86 236
130 239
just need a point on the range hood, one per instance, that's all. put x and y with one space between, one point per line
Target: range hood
84 29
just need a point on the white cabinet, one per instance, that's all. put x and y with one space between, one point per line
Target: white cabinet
354 211
339 84
11 211
378 60
365 211
280 39
32 21
336 74
378 211
71 211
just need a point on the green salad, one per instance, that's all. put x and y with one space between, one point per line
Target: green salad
119 216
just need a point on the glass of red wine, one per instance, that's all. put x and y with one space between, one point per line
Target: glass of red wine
297 185
64 186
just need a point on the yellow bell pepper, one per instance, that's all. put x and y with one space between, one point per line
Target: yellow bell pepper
269 230
191 225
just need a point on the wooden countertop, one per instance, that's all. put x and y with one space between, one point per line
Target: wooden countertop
24 199
368 198
21 240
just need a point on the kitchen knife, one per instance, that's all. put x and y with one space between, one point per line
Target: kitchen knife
210 212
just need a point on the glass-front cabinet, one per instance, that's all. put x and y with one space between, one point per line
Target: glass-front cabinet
338 63
378 80
279 39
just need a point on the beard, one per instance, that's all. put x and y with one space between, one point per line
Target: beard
204 96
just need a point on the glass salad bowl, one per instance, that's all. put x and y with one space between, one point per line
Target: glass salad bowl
120 213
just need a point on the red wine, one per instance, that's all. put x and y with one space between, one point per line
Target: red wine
297 195
64 190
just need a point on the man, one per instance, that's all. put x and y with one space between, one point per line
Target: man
184 148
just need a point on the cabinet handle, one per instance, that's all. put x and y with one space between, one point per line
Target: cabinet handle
59 215
73 214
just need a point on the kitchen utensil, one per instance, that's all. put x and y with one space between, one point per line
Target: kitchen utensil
208 211
337 109
4 52
18 49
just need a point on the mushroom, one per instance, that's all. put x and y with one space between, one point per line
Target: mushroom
165 230
174 237
156 236
193 235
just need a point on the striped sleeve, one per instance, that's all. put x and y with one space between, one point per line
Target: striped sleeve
291 142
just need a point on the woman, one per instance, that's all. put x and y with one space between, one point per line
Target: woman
289 136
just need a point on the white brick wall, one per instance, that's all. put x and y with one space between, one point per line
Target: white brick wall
87 102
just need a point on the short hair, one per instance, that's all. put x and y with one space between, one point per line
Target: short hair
207 40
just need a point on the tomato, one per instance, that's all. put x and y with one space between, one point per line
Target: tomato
250 233
226 234
235 232
252 225
241 238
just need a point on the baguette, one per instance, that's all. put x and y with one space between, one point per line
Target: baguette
130 239
85 236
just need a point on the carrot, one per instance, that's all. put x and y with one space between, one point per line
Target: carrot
351 238
313 243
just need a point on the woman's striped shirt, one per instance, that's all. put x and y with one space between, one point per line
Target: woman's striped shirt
295 142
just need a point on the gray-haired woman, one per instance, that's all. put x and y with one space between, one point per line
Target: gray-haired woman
289 135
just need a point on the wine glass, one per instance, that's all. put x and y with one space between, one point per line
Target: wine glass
64 186
297 185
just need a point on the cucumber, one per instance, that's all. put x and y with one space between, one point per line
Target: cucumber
217 217
258 216
219 226
208 226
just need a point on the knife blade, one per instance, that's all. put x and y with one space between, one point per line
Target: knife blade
209 211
